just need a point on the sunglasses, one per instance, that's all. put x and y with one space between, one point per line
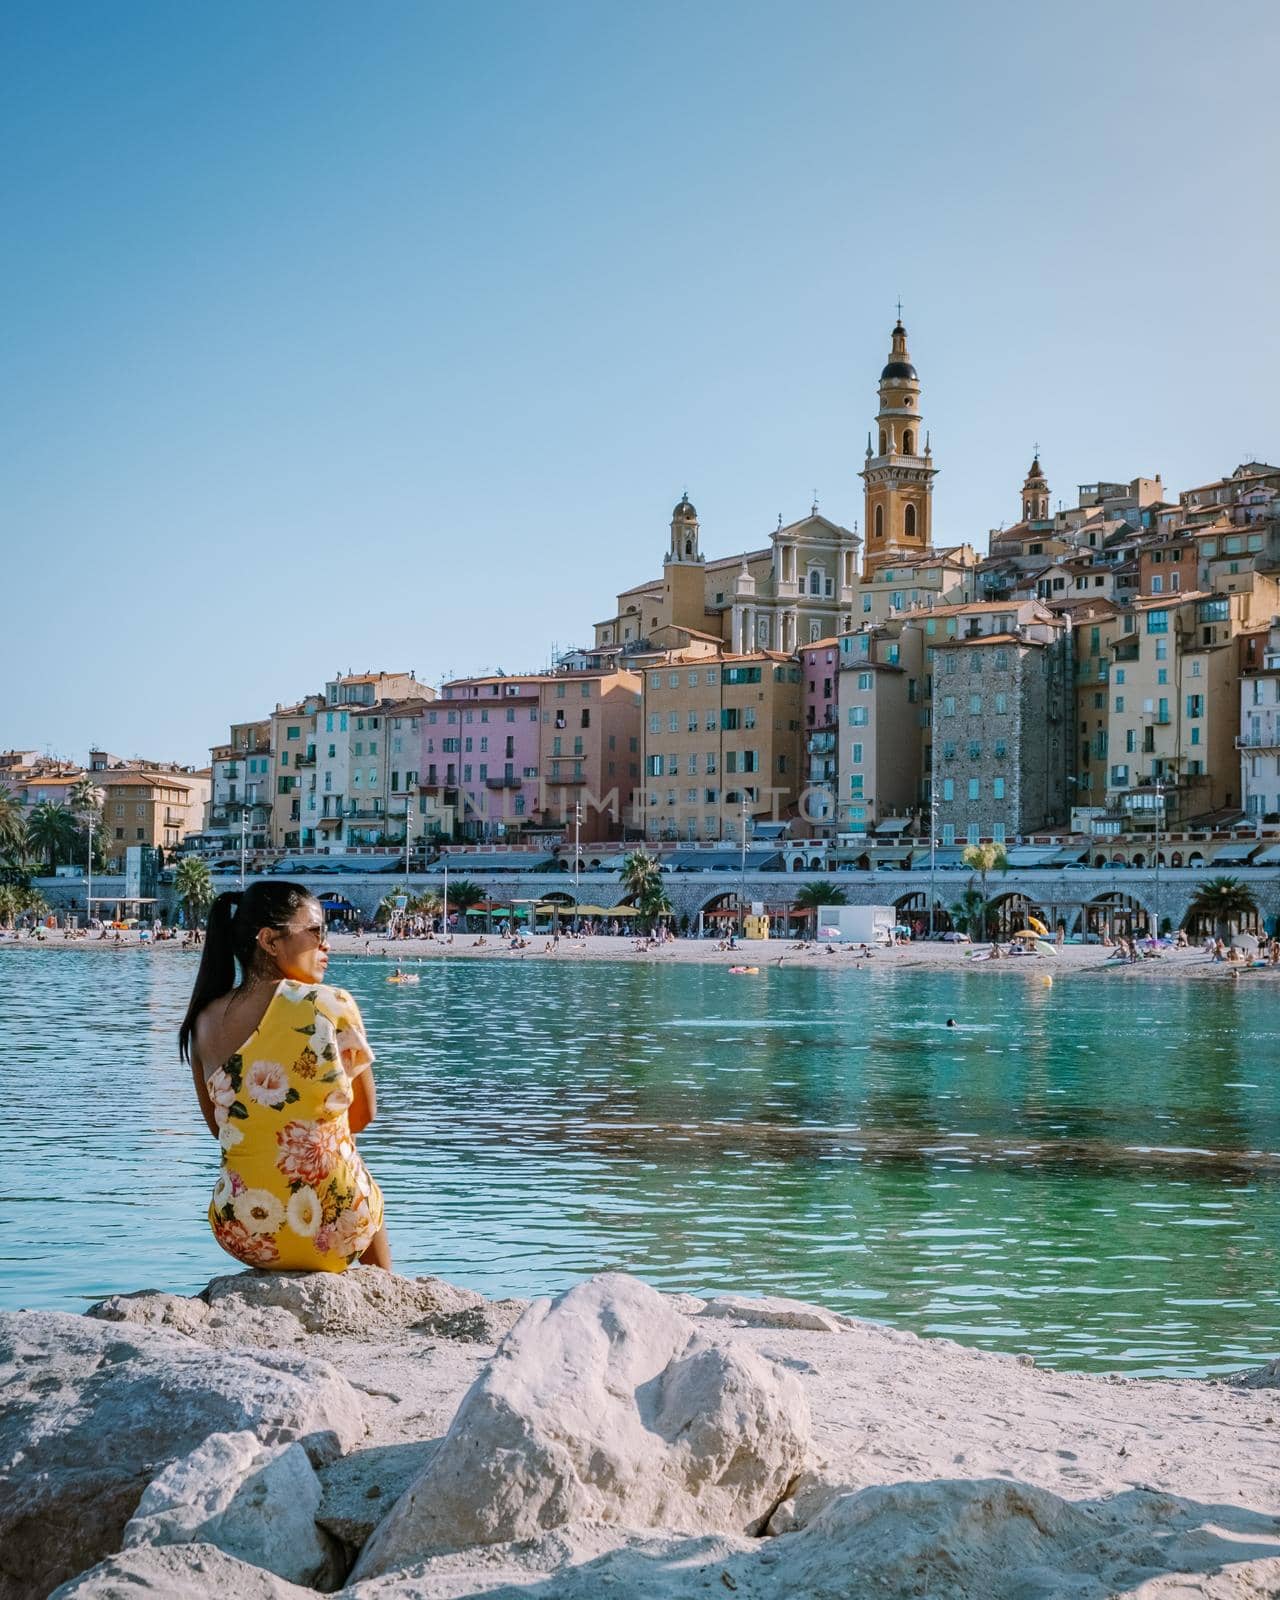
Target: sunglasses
315 931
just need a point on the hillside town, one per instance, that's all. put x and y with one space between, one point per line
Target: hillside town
1102 687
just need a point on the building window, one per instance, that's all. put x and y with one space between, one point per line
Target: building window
948 788
909 515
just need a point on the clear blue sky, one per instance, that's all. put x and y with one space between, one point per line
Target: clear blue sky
354 336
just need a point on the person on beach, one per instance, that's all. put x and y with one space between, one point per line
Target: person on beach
281 1068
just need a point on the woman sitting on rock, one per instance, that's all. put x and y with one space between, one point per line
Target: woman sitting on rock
282 1072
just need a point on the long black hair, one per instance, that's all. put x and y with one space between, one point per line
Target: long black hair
231 936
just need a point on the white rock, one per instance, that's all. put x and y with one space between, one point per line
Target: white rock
153 1308
90 1411
774 1311
604 1405
178 1572
361 1302
256 1501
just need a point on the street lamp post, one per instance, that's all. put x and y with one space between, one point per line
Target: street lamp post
1159 810
577 850
742 880
933 858
244 827
88 870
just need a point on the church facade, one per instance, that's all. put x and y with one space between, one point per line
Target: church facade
805 584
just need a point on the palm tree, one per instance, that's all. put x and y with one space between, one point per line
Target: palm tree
52 830
970 912
642 885
1229 901
463 894
194 887
10 904
985 858
822 893
12 829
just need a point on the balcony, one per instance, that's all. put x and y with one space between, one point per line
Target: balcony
307 760
503 783
568 782
1262 741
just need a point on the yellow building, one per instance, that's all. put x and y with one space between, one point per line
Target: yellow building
149 806
1174 713
719 732
799 589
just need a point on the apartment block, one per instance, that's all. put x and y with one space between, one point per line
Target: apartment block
720 734
1003 700
883 723
241 787
157 807
820 663
527 750
1258 742
1175 701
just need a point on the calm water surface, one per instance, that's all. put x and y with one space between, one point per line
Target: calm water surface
1089 1172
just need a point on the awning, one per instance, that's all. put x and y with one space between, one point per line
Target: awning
493 861
943 857
879 853
1068 858
1031 855
1268 858
893 825
1234 854
727 860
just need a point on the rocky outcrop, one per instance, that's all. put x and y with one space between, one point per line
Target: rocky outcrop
773 1311
255 1501
283 1308
604 1405
91 1411
178 1572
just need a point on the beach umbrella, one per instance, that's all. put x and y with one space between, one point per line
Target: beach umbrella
1035 922
1045 949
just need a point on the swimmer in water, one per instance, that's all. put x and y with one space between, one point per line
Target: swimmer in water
951 1022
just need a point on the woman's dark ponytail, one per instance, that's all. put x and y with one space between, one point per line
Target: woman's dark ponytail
231 936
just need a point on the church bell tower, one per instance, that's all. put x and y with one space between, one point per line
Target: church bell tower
898 475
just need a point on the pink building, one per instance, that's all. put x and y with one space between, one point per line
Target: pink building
821 665
524 751
482 736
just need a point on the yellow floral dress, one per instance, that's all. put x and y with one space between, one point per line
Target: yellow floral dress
293 1194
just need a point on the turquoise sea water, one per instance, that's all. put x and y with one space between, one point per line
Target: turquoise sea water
1090 1172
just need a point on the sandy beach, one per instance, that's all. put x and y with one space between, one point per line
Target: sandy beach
1069 962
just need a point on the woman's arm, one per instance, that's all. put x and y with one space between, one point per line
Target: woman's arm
202 1091
364 1104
